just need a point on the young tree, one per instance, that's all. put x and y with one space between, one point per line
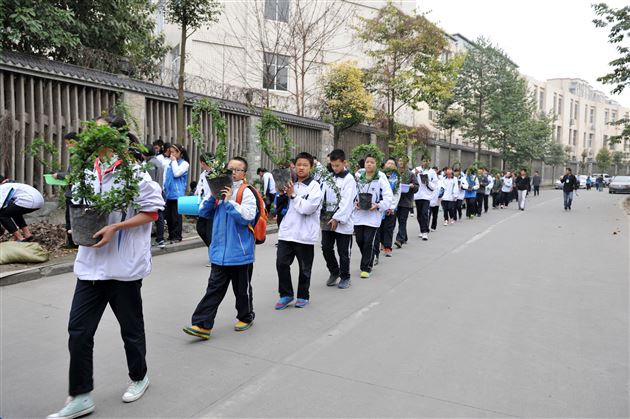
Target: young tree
189 15
346 101
478 86
618 23
406 65
617 159
450 119
554 155
603 159
111 36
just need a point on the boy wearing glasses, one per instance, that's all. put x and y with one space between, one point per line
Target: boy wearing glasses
231 252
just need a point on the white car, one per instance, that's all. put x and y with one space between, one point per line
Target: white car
582 180
619 184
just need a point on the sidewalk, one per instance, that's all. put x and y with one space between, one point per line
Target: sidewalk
65 264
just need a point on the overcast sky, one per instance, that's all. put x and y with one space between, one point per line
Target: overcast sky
546 38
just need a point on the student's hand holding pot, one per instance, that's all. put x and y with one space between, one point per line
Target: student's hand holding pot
106 234
289 190
227 193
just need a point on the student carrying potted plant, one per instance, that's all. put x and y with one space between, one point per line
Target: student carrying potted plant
109 186
280 155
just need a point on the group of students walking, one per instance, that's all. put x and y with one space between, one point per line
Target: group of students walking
331 209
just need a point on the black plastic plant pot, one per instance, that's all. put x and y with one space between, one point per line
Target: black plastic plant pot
85 222
324 218
365 201
218 184
282 177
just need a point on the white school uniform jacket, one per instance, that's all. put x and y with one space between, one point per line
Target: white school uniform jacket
269 185
22 195
490 185
507 184
463 185
381 194
425 192
203 189
451 190
348 190
301 222
435 198
127 257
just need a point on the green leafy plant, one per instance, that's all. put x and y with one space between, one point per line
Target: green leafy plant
280 156
110 143
329 179
218 163
359 152
40 146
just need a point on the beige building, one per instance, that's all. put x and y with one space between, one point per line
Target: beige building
251 54
583 116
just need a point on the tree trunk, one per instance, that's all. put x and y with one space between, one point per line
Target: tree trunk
181 129
336 135
450 142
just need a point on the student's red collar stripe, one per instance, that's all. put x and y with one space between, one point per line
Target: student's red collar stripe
97 167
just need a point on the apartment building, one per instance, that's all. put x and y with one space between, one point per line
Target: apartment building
583 116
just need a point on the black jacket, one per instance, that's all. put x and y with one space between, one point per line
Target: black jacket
569 183
523 183
406 199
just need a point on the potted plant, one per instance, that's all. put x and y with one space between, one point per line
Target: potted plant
326 215
93 208
219 177
279 155
358 153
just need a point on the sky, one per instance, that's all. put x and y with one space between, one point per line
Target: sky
545 38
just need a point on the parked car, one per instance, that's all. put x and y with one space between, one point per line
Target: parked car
607 178
557 184
619 184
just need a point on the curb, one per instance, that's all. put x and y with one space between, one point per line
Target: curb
65 267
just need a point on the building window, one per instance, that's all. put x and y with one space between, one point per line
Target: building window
613 117
592 116
555 104
605 141
277 10
590 141
275 73
605 116
541 99
585 113
559 134
560 105
577 110
571 110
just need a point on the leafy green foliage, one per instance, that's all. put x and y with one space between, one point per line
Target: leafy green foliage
363 150
192 15
328 178
406 65
115 36
218 163
109 143
280 156
603 159
554 155
618 22
36 150
346 101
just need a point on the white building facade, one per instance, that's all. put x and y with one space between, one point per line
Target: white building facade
583 116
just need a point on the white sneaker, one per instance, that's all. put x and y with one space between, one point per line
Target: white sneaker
75 407
135 390
452 222
425 236
420 235
445 223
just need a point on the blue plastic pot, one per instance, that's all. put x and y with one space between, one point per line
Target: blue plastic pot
188 205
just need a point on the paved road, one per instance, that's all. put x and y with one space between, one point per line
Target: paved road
519 314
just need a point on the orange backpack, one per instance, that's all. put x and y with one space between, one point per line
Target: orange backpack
259 229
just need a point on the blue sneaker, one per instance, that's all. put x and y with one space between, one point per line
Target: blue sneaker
283 303
301 303
77 406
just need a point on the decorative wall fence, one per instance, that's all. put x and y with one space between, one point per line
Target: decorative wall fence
47 99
